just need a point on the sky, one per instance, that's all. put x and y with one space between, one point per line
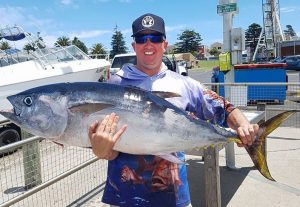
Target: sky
93 21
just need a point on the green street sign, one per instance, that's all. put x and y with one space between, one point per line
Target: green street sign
225 8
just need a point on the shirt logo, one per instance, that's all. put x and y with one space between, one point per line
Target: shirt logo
148 21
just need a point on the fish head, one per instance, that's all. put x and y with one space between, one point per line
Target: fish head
41 114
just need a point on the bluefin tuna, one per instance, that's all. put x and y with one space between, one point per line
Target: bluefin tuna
63 113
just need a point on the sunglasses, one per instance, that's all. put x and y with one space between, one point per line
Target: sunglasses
152 38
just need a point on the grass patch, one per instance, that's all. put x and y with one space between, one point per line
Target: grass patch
206 65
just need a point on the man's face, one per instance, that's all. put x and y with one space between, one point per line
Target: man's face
149 54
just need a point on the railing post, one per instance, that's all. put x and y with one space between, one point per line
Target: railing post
32 163
262 107
212 177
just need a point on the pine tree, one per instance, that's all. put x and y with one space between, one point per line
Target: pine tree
252 35
189 41
117 44
289 31
80 45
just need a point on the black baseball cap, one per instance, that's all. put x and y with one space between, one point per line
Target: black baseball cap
148 22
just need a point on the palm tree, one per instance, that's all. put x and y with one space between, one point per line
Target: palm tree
98 49
62 41
4 45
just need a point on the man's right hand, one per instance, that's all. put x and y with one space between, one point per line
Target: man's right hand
103 136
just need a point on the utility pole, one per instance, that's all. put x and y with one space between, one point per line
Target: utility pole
227 8
227 22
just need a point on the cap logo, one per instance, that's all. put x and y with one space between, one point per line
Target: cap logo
148 21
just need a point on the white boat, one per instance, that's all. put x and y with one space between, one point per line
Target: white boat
20 70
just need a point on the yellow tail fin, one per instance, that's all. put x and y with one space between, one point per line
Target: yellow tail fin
257 150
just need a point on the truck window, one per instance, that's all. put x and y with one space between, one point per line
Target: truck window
120 61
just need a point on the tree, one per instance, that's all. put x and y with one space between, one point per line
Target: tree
117 44
4 45
289 32
98 48
189 41
38 43
252 35
62 41
80 45
215 52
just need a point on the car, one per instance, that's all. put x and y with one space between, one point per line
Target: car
121 59
292 62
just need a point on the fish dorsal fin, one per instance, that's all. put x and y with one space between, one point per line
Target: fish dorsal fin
165 94
89 108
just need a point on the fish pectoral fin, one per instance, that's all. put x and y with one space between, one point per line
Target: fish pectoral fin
89 108
164 94
171 158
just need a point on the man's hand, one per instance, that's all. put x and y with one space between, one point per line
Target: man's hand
247 133
103 136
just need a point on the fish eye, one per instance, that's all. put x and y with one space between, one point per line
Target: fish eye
28 101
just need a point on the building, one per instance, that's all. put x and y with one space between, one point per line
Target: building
219 46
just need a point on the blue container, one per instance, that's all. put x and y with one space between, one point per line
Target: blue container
218 77
264 73
254 73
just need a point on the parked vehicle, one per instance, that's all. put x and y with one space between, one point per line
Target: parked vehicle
21 70
245 57
121 59
292 62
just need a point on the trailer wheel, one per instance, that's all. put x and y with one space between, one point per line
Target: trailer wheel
8 135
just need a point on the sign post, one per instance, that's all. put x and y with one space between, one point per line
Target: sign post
227 9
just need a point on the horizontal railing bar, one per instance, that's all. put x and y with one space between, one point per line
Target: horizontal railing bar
47 183
254 84
19 144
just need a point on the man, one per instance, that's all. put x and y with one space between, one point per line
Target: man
149 180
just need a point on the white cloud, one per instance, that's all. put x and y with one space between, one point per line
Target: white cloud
11 15
49 40
288 9
66 2
173 28
103 1
125 1
126 31
90 34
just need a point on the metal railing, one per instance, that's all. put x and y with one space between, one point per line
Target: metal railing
36 172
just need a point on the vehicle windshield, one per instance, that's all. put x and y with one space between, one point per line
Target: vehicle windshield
120 61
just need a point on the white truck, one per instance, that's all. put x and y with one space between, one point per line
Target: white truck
121 59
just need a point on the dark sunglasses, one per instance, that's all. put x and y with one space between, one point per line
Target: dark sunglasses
152 38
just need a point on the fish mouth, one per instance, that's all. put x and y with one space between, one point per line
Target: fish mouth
9 113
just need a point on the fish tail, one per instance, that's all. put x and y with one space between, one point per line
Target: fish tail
257 150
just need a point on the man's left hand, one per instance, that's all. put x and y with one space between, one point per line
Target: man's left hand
247 134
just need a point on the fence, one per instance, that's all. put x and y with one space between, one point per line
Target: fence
278 97
41 173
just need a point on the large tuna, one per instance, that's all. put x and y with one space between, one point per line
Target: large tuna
63 113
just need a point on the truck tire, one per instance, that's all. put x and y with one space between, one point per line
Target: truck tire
8 135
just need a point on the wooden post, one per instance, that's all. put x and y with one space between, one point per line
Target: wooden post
212 177
32 163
